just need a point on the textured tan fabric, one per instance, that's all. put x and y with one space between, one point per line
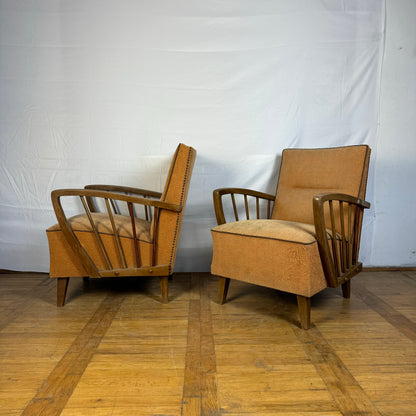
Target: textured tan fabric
276 230
175 192
308 172
282 253
279 254
64 263
102 222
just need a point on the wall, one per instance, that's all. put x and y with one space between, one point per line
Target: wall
394 240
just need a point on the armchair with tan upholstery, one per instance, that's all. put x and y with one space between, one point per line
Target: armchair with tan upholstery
310 237
117 243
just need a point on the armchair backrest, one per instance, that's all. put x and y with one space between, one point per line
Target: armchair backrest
175 192
308 172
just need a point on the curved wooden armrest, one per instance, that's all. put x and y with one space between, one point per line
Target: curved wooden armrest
321 198
218 204
338 221
125 189
128 190
108 196
58 193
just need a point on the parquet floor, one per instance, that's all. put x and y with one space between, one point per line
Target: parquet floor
114 349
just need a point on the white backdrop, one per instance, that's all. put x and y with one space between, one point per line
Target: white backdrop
97 91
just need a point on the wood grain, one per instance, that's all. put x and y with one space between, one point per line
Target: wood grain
117 350
58 387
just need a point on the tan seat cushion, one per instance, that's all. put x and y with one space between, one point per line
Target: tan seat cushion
274 253
103 224
64 263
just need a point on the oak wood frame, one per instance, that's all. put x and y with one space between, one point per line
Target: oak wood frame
219 209
339 264
111 193
340 261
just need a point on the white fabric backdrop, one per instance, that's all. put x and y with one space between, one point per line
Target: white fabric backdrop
102 92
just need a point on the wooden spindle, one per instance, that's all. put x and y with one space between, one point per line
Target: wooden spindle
133 226
234 207
350 236
246 207
116 236
146 211
97 235
113 205
334 240
358 224
344 251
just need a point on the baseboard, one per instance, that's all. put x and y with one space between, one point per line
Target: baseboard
389 269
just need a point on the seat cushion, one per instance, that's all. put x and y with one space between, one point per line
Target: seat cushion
64 263
103 224
274 253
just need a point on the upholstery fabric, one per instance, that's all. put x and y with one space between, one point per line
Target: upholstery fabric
279 254
101 221
175 192
282 253
308 172
64 263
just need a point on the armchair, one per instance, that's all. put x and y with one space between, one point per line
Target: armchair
112 244
309 238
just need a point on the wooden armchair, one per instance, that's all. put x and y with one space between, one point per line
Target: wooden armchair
114 243
309 238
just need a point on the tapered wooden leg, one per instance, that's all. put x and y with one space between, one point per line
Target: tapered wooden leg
164 288
224 284
61 287
346 289
304 306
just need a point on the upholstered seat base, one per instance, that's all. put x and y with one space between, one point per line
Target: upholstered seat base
64 262
279 254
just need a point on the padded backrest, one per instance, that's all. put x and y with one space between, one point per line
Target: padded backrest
175 192
307 172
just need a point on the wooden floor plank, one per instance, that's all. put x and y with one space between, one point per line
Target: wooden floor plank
200 385
395 318
22 293
344 388
115 349
209 397
55 392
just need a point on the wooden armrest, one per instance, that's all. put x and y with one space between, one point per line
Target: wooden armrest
321 198
108 196
125 189
121 189
218 204
338 221
58 193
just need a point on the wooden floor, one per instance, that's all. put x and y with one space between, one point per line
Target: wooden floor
114 349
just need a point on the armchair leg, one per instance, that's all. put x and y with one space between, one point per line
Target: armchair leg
164 288
304 306
61 287
224 284
346 289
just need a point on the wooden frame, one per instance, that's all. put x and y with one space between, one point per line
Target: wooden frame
340 260
219 208
110 194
